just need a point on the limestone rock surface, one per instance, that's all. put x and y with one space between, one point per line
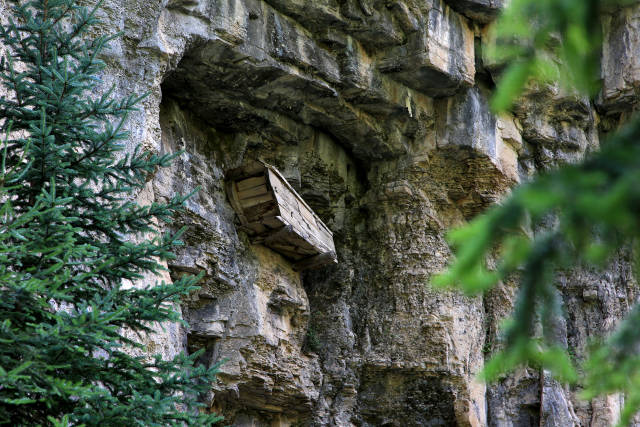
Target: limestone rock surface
620 63
377 113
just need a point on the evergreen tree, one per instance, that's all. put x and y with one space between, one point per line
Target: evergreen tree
594 207
71 237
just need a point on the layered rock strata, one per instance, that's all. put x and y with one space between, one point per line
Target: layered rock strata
377 113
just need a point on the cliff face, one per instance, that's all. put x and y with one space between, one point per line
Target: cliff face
377 113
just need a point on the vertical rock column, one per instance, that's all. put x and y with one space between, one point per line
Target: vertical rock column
420 348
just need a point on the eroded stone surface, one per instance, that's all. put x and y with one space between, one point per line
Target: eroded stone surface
438 59
374 113
479 10
620 62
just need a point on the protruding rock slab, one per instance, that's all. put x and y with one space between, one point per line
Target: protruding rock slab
620 59
479 10
557 409
439 58
559 126
477 153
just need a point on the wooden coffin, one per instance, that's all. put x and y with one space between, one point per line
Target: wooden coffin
275 215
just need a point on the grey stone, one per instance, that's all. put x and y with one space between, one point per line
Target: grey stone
620 63
483 11
374 113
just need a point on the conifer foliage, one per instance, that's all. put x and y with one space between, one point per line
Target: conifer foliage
71 238
577 216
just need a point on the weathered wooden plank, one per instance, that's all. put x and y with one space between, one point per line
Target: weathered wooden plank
248 183
316 261
303 227
309 217
284 190
300 231
247 203
307 223
326 234
314 242
277 235
273 222
300 241
298 244
274 172
306 252
324 238
293 219
268 235
266 210
257 227
288 253
282 246
235 202
283 193
308 231
252 192
279 218
286 238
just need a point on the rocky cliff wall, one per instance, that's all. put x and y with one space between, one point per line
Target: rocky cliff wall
377 113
